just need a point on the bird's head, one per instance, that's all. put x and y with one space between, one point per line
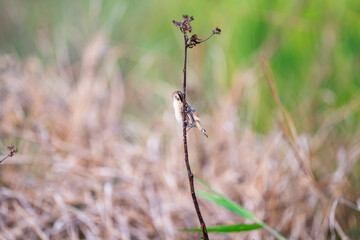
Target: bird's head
178 96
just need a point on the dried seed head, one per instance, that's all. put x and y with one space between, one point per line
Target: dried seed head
12 150
194 39
217 30
184 25
177 24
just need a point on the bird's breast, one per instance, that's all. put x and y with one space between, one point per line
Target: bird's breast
178 115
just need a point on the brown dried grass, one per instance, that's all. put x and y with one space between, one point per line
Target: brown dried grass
87 169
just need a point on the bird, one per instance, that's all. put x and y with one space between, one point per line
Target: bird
192 118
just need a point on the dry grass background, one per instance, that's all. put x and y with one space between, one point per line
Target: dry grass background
100 153
87 170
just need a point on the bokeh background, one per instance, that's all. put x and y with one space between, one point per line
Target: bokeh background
85 93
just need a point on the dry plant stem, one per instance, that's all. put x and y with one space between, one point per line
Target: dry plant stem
291 135
290 131
190 174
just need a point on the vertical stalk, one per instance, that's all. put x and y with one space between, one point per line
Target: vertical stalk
190 174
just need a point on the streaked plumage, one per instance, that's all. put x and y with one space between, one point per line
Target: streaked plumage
192 119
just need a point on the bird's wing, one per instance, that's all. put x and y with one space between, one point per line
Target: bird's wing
189 107
195 115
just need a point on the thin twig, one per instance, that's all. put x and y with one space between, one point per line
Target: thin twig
207 38
190 174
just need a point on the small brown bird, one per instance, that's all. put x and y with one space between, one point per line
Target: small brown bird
192 119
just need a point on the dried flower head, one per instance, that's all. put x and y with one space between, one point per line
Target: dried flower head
216 30
12 150
194 39
184 25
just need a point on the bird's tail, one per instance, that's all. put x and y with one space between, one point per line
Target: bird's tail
204 132
201 128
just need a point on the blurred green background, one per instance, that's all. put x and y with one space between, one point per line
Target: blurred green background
313 49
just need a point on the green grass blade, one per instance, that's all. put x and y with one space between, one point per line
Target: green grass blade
232 206
228 204
228 228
